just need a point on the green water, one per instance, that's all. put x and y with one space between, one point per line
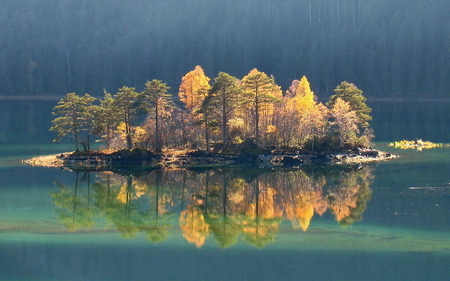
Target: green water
387 221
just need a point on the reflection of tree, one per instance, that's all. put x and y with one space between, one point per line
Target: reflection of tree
193 224
225 202
261 218
219 212
300 197
157 225
73 207
117 206
348 197
123 203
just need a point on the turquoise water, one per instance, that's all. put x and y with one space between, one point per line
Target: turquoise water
387 221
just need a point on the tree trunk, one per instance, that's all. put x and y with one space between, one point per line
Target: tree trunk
257 117
158 141
224 121
206 130
75 128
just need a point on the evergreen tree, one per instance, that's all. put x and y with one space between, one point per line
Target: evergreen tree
127 106
260 94
154 100
74 115
225 97
106 119
351 94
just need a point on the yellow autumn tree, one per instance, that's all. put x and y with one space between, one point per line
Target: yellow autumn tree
301 118
193 89
345 124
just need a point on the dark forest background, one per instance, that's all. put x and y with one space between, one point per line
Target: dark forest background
389 48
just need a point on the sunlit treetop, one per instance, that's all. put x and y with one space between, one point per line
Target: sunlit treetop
194 87
351 94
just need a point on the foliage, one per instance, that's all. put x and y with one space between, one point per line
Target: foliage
345 123
351 94
230 112
259 96
106 119
126 106
417 144
226 97
156 101
74 115
193 89
300 118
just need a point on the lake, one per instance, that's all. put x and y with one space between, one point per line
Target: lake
385 221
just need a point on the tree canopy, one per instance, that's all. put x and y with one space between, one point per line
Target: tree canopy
351 94
220 116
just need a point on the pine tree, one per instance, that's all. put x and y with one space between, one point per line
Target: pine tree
106 119
155 99
260 94
74 116
225 96
351 94
127 105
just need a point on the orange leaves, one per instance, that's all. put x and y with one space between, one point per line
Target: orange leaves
194 87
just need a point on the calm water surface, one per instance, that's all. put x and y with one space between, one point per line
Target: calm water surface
387 221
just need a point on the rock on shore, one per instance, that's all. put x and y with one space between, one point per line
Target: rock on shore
144 158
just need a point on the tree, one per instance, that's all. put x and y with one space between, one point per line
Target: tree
351 94
74 116
345 122
155 98
299 118
205 111
225 98
106 119
260 94
88 118
126 104
192 88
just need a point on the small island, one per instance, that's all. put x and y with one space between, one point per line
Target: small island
229 121
417 144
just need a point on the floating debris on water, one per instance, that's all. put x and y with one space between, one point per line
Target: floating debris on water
429 187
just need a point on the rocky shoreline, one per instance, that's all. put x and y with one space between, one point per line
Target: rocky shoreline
142 158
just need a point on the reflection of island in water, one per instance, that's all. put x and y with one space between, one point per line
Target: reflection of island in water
223 203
